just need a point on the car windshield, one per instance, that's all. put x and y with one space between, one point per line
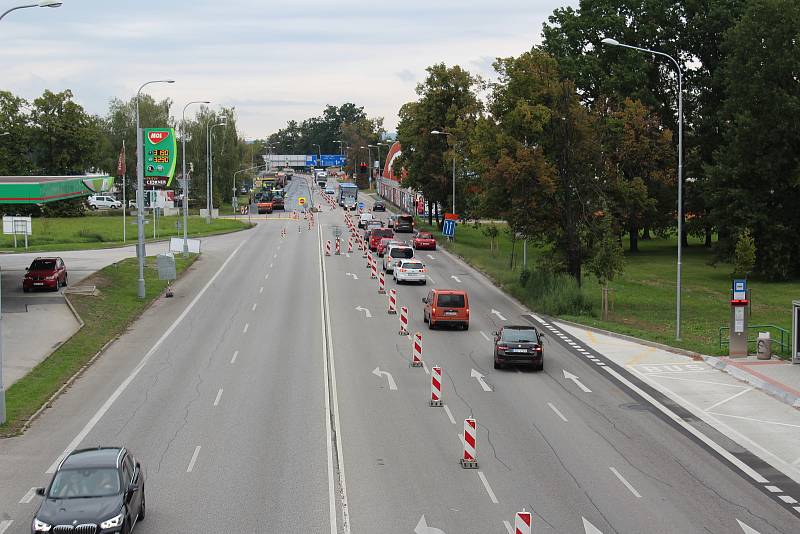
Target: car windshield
451 300
402 252
383 232
43 265
412 265
519 335
424 235
405 219
78 483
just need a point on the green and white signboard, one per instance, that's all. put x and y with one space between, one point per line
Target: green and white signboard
160 151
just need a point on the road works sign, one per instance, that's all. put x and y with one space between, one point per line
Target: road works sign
449 228
301 201
160 150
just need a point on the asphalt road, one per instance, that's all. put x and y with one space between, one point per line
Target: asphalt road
271 411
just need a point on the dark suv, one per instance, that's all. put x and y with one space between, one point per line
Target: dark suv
94 491
520 345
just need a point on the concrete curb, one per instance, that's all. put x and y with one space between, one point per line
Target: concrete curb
742 375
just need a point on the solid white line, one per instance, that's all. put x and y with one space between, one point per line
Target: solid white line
749 471
125 383
246 326
261 290
488 488
5 524
254 306
193 460
723 401
753 419
538 319
449 414
487 338
28 497
235 354
558 413
509 529
219 395
627 484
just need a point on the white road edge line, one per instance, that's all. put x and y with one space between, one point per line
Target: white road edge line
235 354
328 351
749 471
125 383
449 414
219 395
558 413
486 485
627 484
28 497
723 401
487 338
193 460
5 524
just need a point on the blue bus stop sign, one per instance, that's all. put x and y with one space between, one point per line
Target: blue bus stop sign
361 205
449 228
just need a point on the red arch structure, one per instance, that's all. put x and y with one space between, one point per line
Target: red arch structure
390 186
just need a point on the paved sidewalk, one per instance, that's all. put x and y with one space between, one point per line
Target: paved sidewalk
725 394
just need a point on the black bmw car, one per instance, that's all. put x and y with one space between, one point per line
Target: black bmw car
518 345
94 491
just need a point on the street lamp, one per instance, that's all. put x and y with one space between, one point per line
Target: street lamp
319 153
210 166
447 134
341 145
140 188
43 3
613 42
369 161
183 172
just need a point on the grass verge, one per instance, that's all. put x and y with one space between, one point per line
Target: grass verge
106 316
105 231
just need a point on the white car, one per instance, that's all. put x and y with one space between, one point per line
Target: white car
330 191
103 202
411 270
395 253
363 218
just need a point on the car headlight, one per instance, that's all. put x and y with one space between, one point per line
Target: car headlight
41 526
114 521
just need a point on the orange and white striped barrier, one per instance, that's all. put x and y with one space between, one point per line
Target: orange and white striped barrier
350 245
338 247
374 270
403 321
328 247
522 522
364 248
436 386
416 350
382 283
470 458
392 301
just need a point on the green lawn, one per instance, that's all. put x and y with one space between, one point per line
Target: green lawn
645 294
106 316
103 231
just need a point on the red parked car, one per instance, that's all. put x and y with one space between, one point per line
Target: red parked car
50 273
424 240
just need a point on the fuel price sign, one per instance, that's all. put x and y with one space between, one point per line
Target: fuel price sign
160 150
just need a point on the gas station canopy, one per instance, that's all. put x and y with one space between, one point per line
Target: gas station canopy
43 189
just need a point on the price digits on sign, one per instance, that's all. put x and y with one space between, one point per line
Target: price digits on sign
160 156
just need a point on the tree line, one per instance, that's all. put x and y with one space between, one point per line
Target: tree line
573 143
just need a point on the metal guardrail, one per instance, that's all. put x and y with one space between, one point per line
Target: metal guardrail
784 340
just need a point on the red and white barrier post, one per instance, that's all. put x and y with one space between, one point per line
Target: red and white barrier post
328 247
364 248
350 245
416 350
523 522
470 458
403 321
436 386
382 283
392 301
338 247
374 270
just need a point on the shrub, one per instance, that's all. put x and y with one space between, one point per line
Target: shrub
556 294
744 257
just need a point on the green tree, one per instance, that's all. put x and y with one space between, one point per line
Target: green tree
16 133
744 258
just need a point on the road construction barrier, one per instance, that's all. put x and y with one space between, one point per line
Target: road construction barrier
470 458
350 245
416 350
338 247
364 248
392 301
328 247
522 522
382 283
436 386
374 271
403 321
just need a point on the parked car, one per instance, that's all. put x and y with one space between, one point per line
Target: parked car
97 490
411 270
379 206
103 202
363 218
45 273
395 253
424 240
518 345
446 306
376 235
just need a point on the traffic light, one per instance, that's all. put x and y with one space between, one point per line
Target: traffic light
362 168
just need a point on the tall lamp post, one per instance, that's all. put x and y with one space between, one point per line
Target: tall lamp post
369 160
319 154
43 3
185 200
140 188
210 167
447 134
613 42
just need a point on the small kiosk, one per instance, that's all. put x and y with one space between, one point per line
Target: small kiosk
740 302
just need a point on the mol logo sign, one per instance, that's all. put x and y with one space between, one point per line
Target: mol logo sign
159 156
156 136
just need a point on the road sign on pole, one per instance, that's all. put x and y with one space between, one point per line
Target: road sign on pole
449 228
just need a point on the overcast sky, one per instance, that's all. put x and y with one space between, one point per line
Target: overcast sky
272 61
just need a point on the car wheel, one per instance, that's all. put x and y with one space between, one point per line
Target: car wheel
92 207
424 318
431 325
497 365
424 282
466 326
26 290
142 508
540 367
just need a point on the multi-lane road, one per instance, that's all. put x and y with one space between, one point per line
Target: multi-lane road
274 395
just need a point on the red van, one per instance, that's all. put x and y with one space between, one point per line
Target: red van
446 306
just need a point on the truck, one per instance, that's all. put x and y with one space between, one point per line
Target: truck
348 195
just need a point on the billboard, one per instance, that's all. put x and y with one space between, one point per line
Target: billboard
160 152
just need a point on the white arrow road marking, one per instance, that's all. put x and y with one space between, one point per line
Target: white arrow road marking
454 277
28 497
627 484
487 338
193 460
431 256
590 528
423 528
499 315
747 529
479 377
570 376
377 372
5 524
352 274
366 311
